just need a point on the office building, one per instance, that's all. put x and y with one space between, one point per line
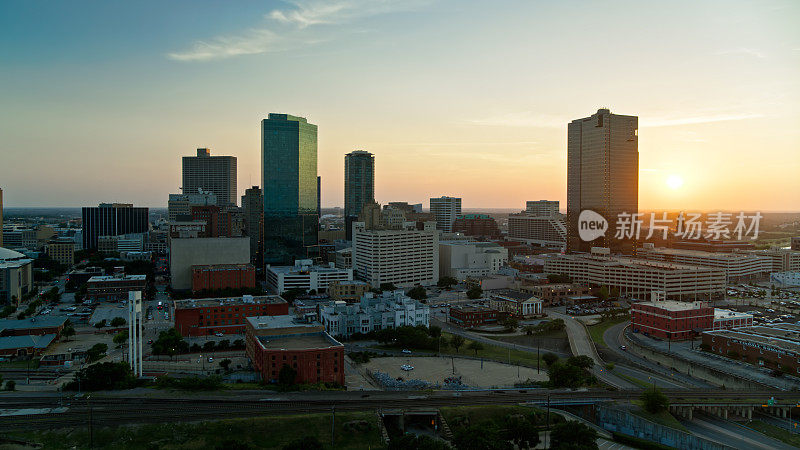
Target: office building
123 243
289 183
542 208
359 186
215 174
208 316
602 175
62 251
253 206
795 242
470 259
543 231
223 276
478 225
516 304
738 267
726 319
188 252
671 320
227 221
785 279
180 205
445 210
390 309
347 291
783 259
277 341
305 275
638 277
112 288
112 219
16 276
404 257
473 316
775 346
713 245
20 238
344 258
559 294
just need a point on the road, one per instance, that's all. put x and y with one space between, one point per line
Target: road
732 434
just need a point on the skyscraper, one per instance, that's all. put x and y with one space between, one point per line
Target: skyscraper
1 217
445 209
112 219
359 185
253 205
215 174
602 175
289 183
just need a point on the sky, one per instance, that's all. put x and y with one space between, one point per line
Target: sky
99 100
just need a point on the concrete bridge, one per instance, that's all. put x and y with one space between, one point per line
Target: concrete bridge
733 411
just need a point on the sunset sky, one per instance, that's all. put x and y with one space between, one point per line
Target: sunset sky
99 100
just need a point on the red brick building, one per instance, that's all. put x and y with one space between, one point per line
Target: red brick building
202 317
557 293
672 320
473 316
222 276
476 225
775 346
273 342
114 288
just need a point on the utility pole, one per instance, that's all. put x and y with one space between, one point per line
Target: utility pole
537 355
547 435
333 426
91 431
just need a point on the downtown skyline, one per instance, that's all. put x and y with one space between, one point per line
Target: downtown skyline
447 110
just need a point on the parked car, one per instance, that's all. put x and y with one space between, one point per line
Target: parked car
407 351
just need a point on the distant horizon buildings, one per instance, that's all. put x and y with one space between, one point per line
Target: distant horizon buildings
602 176
289 185
445 209
112 219
206 173
359 185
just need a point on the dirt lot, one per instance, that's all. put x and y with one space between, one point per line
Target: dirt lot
436 369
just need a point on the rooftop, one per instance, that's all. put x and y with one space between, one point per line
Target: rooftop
698 253
15 342
287 321
729 314
221 266
102 278
318 340
45 321
787 342
674 305
513 295
226 301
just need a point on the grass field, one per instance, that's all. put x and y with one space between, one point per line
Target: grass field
596 331
663 418
775 432
461 417
493 352
636 381
34 364
354 430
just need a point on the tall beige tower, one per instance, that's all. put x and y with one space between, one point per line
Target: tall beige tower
602 175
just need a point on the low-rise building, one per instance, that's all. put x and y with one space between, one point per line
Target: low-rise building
557 294
348 291
671 320
34 326
26 345
16 275
473 316
726 319
277 341
112 288
785 279
188 252
305 275
462 259
223 276
516 304
775 346
391 309
203 317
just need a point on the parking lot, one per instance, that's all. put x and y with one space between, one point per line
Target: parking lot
473 373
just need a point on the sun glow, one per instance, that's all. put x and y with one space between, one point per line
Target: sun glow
674 181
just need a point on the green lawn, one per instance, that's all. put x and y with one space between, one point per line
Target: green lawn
34 364
636 381
461 417
663 418
775 432
262 432
596 331
493 352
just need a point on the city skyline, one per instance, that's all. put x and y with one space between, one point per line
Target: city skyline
713 88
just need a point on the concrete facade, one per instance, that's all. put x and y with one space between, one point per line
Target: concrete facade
188 252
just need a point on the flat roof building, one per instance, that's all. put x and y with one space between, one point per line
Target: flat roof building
391 309
16 275
214 174
404 257
737 266
114 287
671 320
203 317
305 275
464 259
775 346
188 252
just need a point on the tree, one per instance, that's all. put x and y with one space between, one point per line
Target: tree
195 348
447 282
529 329
96 352
549 358
387 287
68 331
238 343
120 338
287 376
654 401
118 322
562 374
582 361
11 385
418 293
102 377
602 293
223 344
614 292
480 438
169 342
209 346
476 346
417 442
225 364
511 323
522 432
573 435
100 324
457 341
475 292
306 443
435 331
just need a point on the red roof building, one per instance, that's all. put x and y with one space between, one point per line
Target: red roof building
203 317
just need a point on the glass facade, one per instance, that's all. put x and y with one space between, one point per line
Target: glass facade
289 183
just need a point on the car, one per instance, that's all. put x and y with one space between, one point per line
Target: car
406 351
219 334
407 367
149 341
623 348
210 359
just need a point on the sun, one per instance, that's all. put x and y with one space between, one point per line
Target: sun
674 181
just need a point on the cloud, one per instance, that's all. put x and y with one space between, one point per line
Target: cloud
537 120
746 51
283 29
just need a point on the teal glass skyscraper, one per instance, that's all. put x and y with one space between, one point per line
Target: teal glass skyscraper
289 183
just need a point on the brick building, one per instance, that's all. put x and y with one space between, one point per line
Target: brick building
350 291
222 276
517 304
113 288
202 317
557 293
775 346
34 326
273 342
476 225
672 320
473 316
